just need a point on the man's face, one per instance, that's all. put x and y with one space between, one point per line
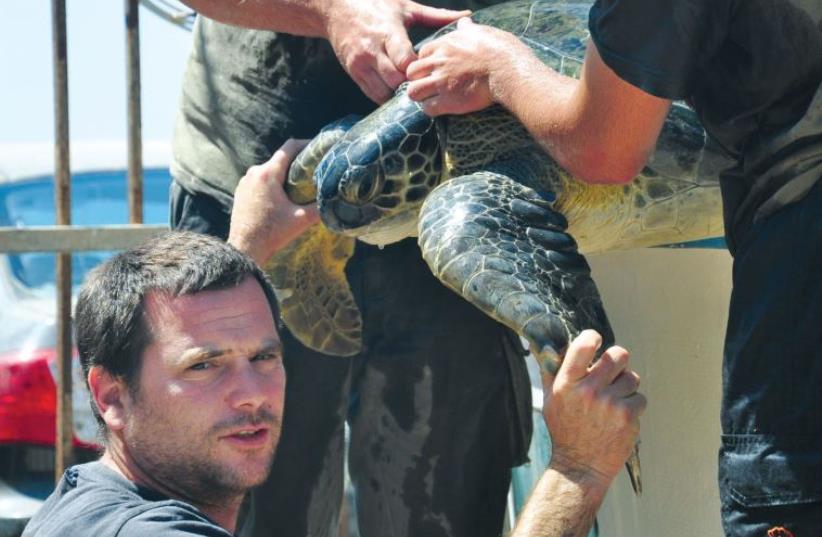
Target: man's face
205 419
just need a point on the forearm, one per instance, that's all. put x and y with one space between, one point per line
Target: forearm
299 17
563 504
545 102
598 127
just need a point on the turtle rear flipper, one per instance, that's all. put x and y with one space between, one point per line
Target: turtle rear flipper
502 246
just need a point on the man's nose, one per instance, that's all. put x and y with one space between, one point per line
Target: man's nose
249 388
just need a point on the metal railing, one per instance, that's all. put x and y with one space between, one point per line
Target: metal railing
63 238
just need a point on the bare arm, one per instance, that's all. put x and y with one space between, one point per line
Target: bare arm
299 17
263 219
592 412
560 506
369 36
599 128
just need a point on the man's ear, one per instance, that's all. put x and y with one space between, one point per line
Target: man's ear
110 395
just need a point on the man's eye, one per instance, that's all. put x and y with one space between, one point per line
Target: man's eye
202 366
266 356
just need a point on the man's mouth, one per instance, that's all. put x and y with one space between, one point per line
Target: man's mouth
249 438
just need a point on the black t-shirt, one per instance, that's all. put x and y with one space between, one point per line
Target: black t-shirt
93 500
752 71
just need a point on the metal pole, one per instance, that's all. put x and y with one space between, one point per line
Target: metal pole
135 144
64 450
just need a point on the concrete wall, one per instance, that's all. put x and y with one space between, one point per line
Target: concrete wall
669 308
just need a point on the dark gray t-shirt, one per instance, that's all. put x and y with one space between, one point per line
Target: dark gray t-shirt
752 70
93 500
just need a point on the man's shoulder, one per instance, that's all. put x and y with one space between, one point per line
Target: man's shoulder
169 519
93 500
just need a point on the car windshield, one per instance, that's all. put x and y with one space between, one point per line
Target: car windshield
97 198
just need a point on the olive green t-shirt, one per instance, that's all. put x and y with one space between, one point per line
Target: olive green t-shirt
246 91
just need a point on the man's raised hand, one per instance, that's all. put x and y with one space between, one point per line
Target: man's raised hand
370 38
592 410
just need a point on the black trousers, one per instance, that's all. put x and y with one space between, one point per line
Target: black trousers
770 462
438 405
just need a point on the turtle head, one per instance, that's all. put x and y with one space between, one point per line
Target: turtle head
372 182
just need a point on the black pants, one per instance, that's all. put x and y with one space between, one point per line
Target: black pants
438 405
770 462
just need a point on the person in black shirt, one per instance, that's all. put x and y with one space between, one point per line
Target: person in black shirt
183 361
752 70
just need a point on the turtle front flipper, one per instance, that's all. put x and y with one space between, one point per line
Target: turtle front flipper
300 184
308 275
502 246
312 291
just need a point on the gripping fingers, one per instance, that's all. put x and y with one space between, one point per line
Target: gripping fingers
400 51
420 14
372 84
388 72
420 69
286 154
420 90
636 404
578 357
625 385
611 364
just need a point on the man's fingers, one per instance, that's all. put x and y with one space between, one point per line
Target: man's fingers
282 157
625 385
578 357
610 365
309 211
431 16
291 148
420 68
389 73
636 404
431 106
464 23
400 51
420 90
439 106
427 49
372 84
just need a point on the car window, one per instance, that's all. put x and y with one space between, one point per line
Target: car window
97 198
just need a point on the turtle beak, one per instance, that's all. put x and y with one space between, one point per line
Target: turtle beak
340 216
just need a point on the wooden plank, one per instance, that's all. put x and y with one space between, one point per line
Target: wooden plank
76 238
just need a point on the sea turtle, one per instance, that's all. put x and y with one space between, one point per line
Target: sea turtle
498 221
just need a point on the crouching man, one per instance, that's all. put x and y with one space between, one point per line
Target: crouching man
179 345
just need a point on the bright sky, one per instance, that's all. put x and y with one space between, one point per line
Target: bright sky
97 73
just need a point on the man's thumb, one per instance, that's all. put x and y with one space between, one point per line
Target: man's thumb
431 16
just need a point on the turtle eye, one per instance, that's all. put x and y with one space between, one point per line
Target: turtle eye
363 185
365 188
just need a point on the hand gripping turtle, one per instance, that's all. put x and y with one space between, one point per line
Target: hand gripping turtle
498 221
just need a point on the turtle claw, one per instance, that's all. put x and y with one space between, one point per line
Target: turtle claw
634 470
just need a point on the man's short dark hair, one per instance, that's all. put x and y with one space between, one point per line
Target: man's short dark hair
110 325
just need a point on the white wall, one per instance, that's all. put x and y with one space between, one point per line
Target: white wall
669 308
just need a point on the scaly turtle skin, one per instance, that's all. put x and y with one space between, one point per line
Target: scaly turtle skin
498 221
